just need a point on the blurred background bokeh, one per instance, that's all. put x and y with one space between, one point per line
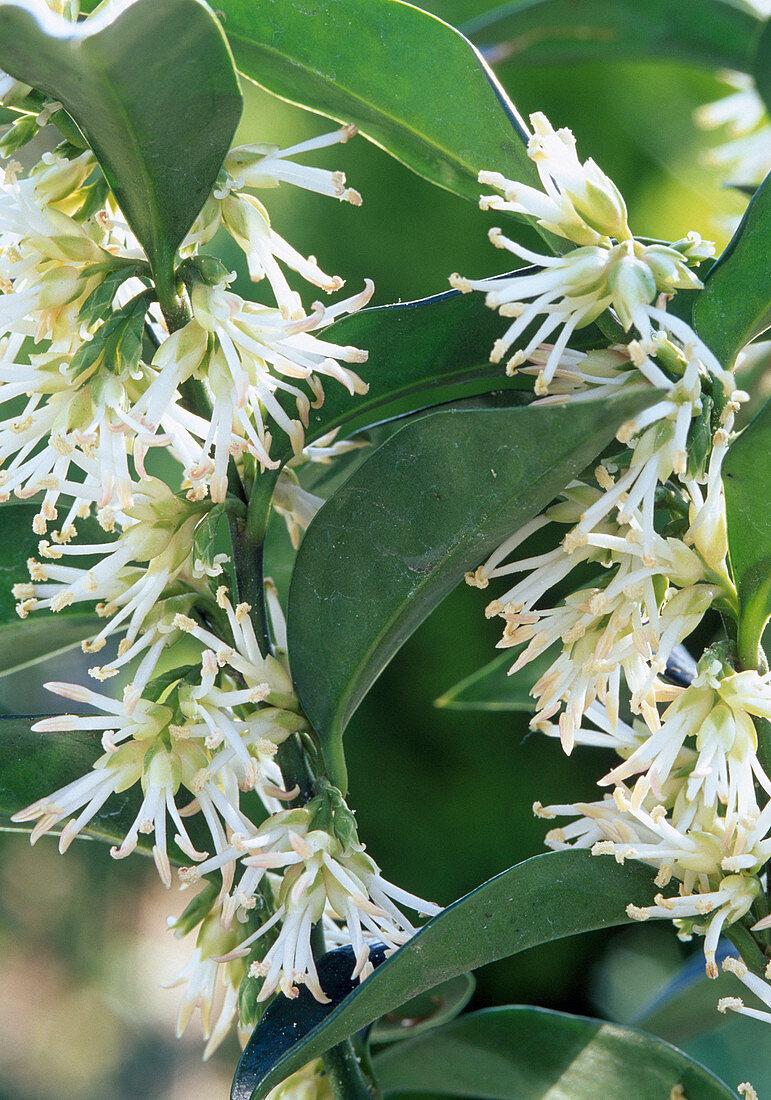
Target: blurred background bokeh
443 798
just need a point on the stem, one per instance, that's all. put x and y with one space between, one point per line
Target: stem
258 509
247 562
346 1075
349 1073
175 309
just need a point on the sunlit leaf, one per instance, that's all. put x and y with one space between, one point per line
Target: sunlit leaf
410 82
735 305
153 89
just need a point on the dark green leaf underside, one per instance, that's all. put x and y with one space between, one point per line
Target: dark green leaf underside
523 1053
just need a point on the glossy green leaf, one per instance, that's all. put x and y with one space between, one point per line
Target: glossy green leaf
423 1013
41 634
153 88
748 518
737 1050
411 83
716 33
33 765
491 688
429 505
735 305
543 899
519 1052
762 65
418 352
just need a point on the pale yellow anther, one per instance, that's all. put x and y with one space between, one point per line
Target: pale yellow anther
628 429
45 550
735 966
603 478
458 282
664 876
637 913
514 363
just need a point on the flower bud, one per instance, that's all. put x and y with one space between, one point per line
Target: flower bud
632 284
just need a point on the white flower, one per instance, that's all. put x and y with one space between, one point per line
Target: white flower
255 352
201 977
119 769
715 860
262 165
580 201
581 204
159 534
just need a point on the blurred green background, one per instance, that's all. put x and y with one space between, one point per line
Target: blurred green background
443 798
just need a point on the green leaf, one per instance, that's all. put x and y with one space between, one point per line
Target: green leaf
153 88
491 688
748 519
716 33
762 66
735 304
516 1052
423 1013
738 1050
410 82
417 350
541 900
429 505
40 635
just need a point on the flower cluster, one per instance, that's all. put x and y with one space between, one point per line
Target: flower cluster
93 375
608 268
645 533
81 401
